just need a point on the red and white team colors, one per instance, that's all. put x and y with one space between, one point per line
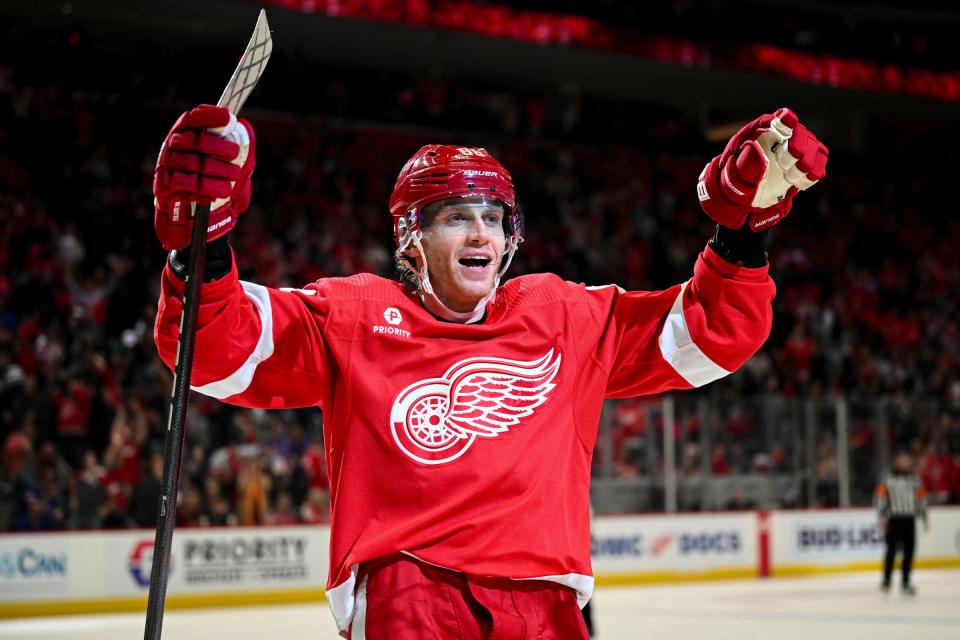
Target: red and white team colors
465 446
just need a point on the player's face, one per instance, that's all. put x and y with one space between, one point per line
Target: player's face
464 242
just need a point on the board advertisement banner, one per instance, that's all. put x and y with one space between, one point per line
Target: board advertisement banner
674 544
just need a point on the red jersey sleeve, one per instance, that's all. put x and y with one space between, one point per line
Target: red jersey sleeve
256 347
688 335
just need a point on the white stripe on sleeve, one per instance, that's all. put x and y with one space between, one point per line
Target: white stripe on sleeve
679 349
240 379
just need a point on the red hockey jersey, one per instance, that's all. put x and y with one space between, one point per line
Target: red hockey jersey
466 446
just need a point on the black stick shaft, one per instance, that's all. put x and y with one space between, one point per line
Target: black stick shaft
176 426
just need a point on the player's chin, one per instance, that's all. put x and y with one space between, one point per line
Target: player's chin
476 285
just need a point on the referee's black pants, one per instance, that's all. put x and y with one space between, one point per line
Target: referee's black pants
901 531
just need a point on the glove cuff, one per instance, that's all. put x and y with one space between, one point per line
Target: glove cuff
218 260
716 201
742 246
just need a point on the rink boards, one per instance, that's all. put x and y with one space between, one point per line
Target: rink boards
79 572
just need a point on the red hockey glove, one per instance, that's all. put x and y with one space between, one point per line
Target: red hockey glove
208 158
760 171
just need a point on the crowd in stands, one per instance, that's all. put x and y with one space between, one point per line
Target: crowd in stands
918 35
866 269
875 48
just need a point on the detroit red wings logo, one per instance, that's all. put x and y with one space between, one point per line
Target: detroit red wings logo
436 420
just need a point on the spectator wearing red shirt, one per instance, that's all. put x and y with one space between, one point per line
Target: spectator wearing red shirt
719 462
315 464
74 408
284 513
316 509
937 472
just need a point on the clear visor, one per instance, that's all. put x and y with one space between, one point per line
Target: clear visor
465 216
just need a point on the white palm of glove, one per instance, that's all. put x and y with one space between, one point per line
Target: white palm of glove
781 171
234 132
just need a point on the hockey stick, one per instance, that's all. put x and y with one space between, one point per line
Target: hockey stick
242 82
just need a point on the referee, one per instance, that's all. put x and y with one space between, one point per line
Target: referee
900 498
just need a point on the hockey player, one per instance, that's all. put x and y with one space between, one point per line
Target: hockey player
459 415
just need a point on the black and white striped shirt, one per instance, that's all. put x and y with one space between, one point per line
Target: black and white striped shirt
900 495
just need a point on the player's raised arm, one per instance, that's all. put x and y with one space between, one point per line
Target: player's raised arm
255 346
706 328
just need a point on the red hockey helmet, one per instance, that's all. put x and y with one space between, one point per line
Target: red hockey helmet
441 171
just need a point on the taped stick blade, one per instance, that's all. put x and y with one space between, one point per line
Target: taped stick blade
250 67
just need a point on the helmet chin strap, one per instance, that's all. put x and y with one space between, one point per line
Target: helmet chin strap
435 306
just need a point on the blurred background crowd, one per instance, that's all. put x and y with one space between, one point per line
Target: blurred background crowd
866 267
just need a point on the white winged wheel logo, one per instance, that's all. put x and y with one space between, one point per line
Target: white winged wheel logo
435 421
